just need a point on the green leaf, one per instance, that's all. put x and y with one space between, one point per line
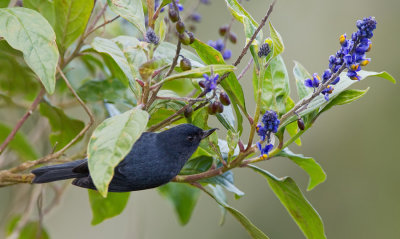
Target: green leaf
198 72
147 68
254 232
4 3
250 25
108 89
131 10
105 208
314 170
111 142
26 30
319 102
44 7
16 77
231 85
63 128
173 105
29 231
226 181
277 42
123 53
296 204
160 28
20 144
345 97
275 86
227 118
292 128
232 140
197 165
183 197
167 51
301 74
71 20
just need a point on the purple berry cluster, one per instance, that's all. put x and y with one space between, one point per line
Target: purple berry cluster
209 83
270 124
352 53
151 37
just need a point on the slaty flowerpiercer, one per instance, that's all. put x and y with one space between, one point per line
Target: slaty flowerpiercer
154 160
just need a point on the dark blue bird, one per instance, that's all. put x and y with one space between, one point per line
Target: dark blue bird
154 160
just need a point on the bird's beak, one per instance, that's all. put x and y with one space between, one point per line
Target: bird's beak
206 133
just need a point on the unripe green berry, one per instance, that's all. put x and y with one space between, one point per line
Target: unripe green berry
185 64
180 27
185 39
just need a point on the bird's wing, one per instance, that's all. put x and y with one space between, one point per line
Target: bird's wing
82 168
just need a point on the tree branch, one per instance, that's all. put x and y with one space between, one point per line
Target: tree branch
23 119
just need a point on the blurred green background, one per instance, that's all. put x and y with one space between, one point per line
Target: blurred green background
356 144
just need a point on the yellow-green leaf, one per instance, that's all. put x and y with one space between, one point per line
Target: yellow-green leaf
131 10
28 31
296 204
111 142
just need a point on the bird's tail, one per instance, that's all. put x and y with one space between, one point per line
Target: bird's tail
57 172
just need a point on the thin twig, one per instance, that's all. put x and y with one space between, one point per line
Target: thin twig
27 213
262 23
4 174
246 48
97 18
23 119
245 69
186 99
101 25
315 94
175 60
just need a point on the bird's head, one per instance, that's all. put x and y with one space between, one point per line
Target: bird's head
186 135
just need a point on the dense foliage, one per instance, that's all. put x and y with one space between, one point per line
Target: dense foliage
57 55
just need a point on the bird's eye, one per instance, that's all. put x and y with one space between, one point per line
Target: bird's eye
190 138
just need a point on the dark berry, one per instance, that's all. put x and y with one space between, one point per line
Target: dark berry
180 27
224 98
233 37
300 123
223 30
191 36
188 112
212 109
173 15
185 64
202 83
219 106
